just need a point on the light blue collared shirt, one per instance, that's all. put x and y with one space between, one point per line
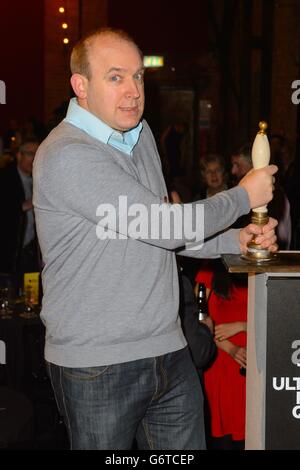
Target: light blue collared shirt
92 125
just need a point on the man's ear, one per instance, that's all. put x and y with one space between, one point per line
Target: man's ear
79 85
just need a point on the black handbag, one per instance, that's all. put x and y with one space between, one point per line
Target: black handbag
199 338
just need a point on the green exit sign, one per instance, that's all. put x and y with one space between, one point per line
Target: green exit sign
153 61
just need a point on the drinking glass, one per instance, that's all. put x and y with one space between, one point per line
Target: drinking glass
28 311
5 310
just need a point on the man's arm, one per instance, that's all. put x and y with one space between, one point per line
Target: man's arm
234 241
78 178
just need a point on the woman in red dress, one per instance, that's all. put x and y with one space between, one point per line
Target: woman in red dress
224 380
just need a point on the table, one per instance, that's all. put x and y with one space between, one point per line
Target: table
24 344
16 418
273 351
25 378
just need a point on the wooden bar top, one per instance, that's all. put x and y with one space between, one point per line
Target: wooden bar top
283 262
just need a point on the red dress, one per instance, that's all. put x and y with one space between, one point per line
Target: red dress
225 387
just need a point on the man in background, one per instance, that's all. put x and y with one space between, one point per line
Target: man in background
18 241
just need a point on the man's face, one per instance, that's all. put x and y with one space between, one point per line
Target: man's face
239 166
26 156
115 92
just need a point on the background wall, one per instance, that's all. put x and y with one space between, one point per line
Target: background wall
21 59
216 48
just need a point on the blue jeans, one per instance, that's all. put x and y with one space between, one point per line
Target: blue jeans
156 400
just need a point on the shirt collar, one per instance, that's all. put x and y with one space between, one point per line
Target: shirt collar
92 125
